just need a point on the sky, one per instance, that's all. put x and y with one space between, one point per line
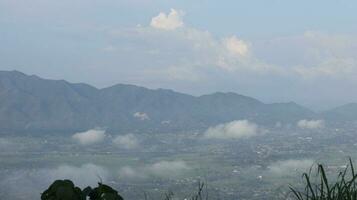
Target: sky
274 50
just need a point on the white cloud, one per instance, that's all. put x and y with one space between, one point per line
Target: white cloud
128 141
161 169
286 167
233 130
89 137
170 21
141 116
194 55
190 55
311 124
236 46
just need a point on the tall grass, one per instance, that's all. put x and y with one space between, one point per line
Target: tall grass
344 188
201 193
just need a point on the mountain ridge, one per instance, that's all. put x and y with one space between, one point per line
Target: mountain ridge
31 103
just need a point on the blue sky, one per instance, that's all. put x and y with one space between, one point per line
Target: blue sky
277 50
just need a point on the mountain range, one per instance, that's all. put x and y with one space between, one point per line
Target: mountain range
29 103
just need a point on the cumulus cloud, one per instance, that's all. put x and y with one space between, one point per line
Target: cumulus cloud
286 167
170 21
236 46
90 137
233 130
311 124
301 65
141 116
128 141
161 169
190 54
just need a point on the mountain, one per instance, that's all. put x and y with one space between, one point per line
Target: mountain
33 104
341 114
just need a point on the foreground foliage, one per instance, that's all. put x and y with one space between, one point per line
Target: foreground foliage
344 188
65 190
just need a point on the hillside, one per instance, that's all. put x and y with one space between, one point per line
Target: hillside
30 103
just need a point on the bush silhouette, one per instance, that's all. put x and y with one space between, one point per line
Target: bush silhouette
102 192
66 190
63 190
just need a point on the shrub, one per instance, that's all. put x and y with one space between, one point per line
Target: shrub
66 190
62 190
102 192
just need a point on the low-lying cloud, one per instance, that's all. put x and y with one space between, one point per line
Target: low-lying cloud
129 141
311 124
161 169
233 130
90 137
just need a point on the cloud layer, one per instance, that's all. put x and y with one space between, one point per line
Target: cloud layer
160 169
311 124
129 141
233 130
89 137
